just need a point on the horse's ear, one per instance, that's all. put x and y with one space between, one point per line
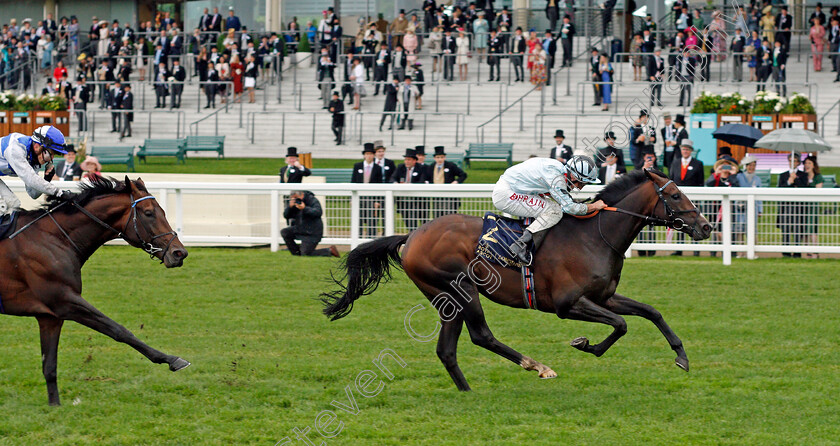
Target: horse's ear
648 173
127 183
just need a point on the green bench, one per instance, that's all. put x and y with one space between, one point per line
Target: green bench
830 181
491 151
457 158
162 147
206 144
334 175
114 155
764 176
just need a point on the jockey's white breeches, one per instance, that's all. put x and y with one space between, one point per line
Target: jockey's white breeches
546 211
8 200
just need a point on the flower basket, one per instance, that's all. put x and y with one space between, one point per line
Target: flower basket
4 122
798 121
57 119
21 122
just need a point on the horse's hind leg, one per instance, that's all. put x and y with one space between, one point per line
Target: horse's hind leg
482 336
624 305
586 310
50 332
81 311
447 348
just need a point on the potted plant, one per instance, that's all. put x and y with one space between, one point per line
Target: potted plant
8 101
304 50
51 110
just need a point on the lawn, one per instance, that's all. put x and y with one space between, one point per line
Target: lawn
763 338
479 172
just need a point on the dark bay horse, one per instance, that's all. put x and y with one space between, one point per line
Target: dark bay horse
576 272
42 262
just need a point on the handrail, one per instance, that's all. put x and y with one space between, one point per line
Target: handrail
32 64
216 114
821 119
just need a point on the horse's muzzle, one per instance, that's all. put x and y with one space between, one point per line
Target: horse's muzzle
174 258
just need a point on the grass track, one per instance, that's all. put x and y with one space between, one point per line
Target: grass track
762 337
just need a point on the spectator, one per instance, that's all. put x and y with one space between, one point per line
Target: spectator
177 77
380 71
398 28
251 73
236 70
389 110
495 49
449 48
463 52
549 44
517 48
656 76
49 88
552 13
611 168
636 56
779 59
768 24
358 78
419 81
595 75
388 166
480 28
406 92
210 86
434 45
811 227
368 172
66 169
647 233
81 97
411 45
561 152
817 14
232 21
161 86
738 45
685 70
399 62
127 104
783 23
641 137
834 46
293 171
567 35
790 219
685 171
215 25
143 55
669 139
764 66
60 71
304 217
818 40
746 178
723 175
445 172
337 110
91 168
409 172
536 61
114 102
606 71
753 45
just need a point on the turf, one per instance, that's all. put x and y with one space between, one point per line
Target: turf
762 337
479 171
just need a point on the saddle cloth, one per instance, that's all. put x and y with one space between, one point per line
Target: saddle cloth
7 224
497 234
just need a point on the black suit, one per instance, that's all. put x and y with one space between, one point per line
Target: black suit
595 77
127 103
336 107
495 46
602 172
656 75
412 209
369 212
566 42
791 216
451 172
833 37
180 74
778 59
566 152
67 172
685 73
380 69
737 46
517 45
550 56
784 23
81 97
388 168
604 152
306 225
291 174
448 43
552 13
390 91
694 175
114 102
670 133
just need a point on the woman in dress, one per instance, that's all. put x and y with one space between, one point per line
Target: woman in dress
435 38
480 28
141 54
410 45
45 48
818 40
73 35
62 37
92 168
753 44
251 73
636 58
463 54
532 44
104 39
236 72
201 64
812 210
746 178
230 39
717 29
223 68
537 64
606 71
768 24
59 71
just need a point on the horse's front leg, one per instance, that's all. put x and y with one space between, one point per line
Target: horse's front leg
586 310
50 333
79 310
624 305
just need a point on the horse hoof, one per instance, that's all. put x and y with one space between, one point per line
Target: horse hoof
178 364
682 363
548 374
580 343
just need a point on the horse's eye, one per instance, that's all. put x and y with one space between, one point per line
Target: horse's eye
675 196
149 213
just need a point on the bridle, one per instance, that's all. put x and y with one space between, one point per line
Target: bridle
146 246
674 221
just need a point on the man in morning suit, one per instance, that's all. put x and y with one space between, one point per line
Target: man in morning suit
293 171
368 171
561 152
445 172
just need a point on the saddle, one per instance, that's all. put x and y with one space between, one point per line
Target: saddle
497 235
7 224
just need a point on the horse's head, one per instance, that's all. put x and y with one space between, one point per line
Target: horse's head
677 209
147 228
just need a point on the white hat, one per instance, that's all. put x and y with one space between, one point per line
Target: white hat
748 159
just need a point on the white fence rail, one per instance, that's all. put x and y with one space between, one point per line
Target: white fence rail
747 220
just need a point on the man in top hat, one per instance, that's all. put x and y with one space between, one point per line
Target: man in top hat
647 234
561 152
818 14
398 28
445 172
517 48
494 47
685 68
641 137
686 171
337 110
656 76
610 168
368 171
595 74
127 103
552 12
66 168
389 110
388 166
784 22
611 150
567 34
423 202
669 139
411 172
293 171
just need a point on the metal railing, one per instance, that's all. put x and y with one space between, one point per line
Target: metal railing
821 119
91 115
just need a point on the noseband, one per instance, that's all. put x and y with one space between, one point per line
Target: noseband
674 221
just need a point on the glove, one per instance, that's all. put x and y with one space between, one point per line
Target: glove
66 195
49 175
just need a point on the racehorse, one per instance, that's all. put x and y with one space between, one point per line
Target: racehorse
576 272
43 258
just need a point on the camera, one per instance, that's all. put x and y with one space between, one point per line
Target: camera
298 201
725 167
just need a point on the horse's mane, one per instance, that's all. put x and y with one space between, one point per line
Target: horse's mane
623 185
90 189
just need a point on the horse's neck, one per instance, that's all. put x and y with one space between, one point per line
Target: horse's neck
621 229
87 234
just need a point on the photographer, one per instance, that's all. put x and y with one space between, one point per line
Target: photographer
723 175
304 217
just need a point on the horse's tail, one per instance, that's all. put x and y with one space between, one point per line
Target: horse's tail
365 267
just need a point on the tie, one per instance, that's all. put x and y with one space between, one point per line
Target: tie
408 175
367 174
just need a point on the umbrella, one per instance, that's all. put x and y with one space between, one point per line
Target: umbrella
790 140
738 134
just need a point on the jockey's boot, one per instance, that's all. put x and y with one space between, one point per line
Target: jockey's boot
519 248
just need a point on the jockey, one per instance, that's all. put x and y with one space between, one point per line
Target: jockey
22 156
539 187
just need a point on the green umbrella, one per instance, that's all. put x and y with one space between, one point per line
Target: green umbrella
793 140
